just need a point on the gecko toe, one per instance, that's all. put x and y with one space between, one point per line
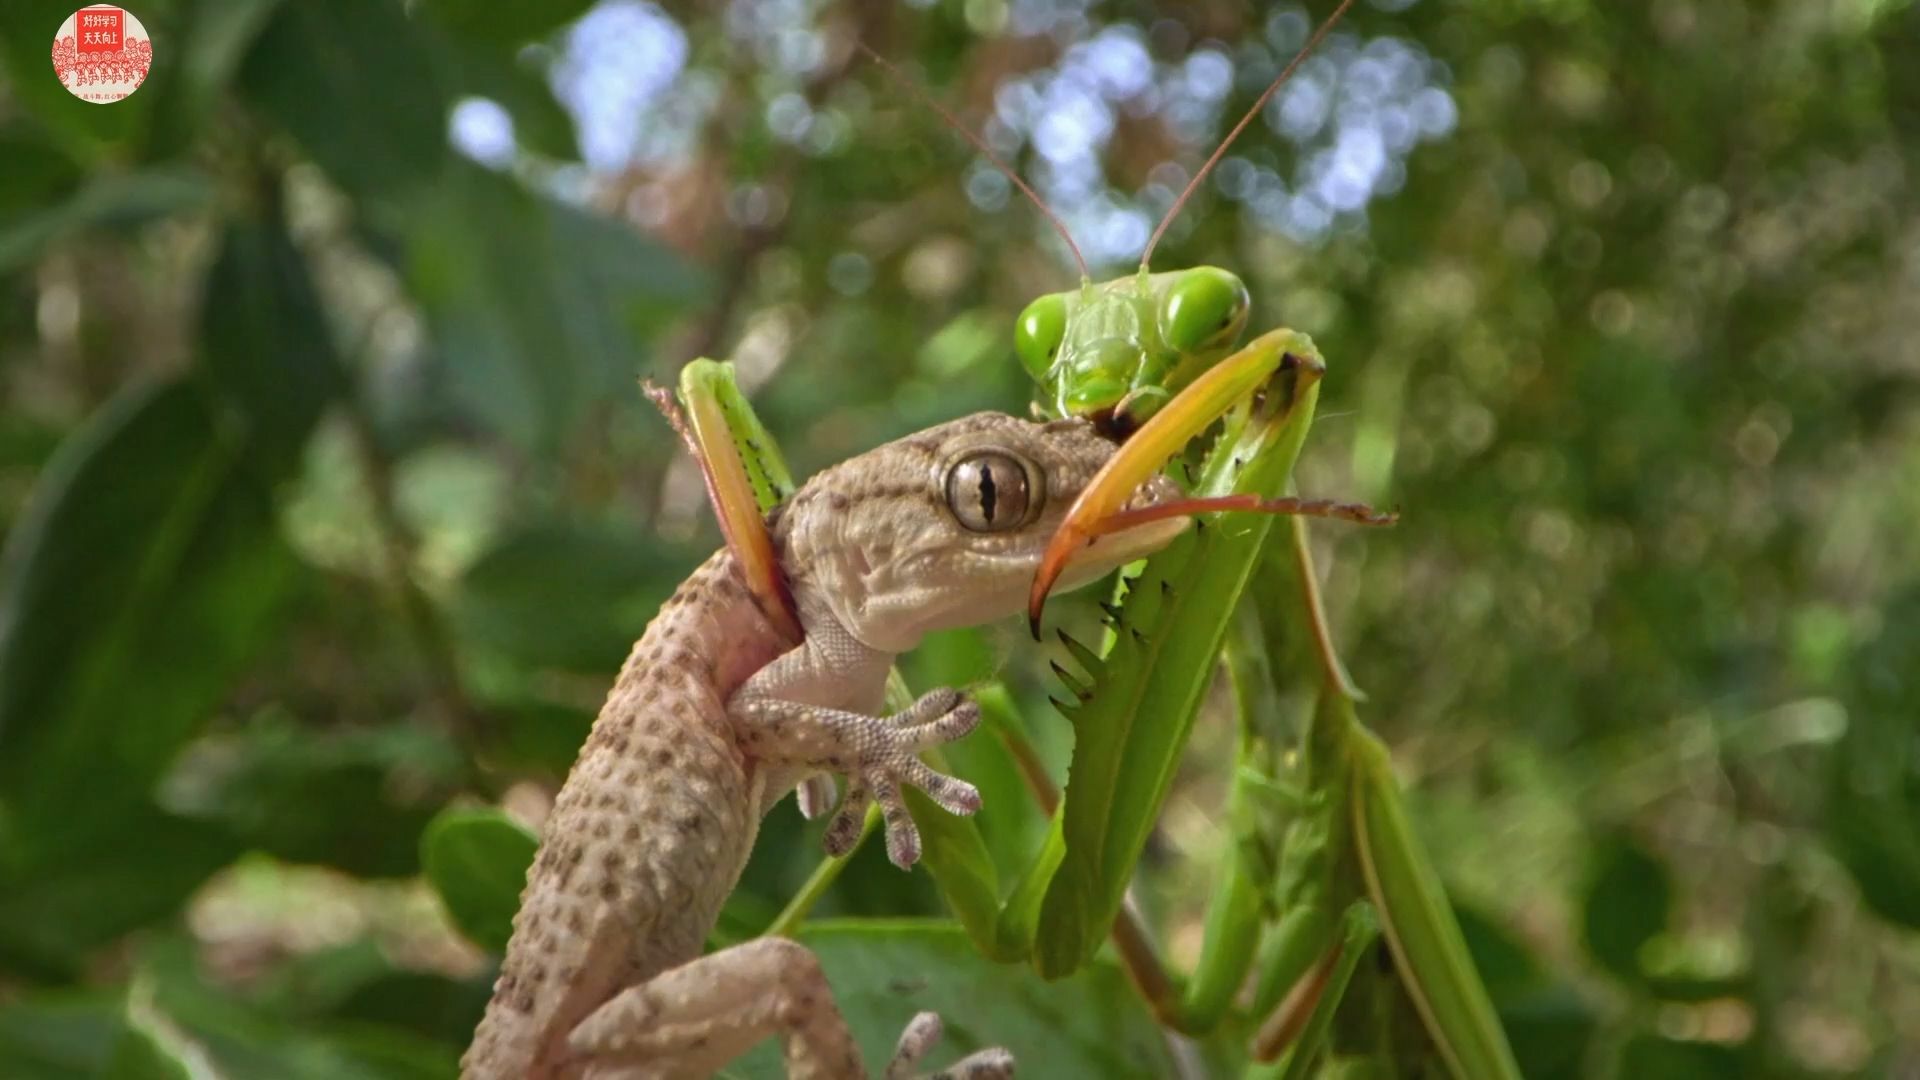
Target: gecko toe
956 723
843 832
919 1036
955 796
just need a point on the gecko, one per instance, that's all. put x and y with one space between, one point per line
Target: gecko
713 719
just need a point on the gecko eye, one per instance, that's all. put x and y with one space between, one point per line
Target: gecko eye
991 491
1039 333
1205 306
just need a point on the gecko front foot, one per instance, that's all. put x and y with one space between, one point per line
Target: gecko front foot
886 756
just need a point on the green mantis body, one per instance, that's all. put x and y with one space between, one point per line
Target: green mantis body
1324 863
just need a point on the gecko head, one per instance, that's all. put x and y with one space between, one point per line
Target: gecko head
945 528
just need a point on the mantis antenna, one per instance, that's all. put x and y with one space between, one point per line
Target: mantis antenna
980 144
1220 151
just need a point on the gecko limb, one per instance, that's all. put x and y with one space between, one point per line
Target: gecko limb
877 754
693 1019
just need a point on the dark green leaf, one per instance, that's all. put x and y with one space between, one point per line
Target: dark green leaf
566 595
137 1055
1873 789
1506 968
144 575
539 314
1629 898
243 1041
359 982
540 123
1655 1057
197 59
109 200
357 799
503 24
1552 1031
316 64
477 861
99 877
60 1036
268 345
539 735
38 174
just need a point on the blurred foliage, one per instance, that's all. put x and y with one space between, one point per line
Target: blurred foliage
329 505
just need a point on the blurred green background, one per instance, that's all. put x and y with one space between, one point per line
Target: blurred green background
330 502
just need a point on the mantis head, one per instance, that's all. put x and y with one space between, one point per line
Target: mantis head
946 528
1117 351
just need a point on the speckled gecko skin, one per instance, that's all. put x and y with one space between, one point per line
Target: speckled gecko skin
713 720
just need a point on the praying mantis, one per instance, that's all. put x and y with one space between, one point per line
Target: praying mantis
1326 871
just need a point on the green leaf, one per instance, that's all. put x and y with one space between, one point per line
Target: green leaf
94 879
477 861
566 595
38 172
541 316
144 575
1628 901
137 1055
243 1041
883 972
268 345
357 799
118 201
1656 1057
1873 784
540 123
1506 968
538 735
62 1035
957 857
503 24
358 982
201 51
317 65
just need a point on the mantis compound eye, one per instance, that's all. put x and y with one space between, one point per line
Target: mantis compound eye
1205 306
991 491
1039 333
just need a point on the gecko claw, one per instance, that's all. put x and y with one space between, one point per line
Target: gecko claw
816 795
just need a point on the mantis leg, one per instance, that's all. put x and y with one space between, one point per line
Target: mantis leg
745 477
1228 384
